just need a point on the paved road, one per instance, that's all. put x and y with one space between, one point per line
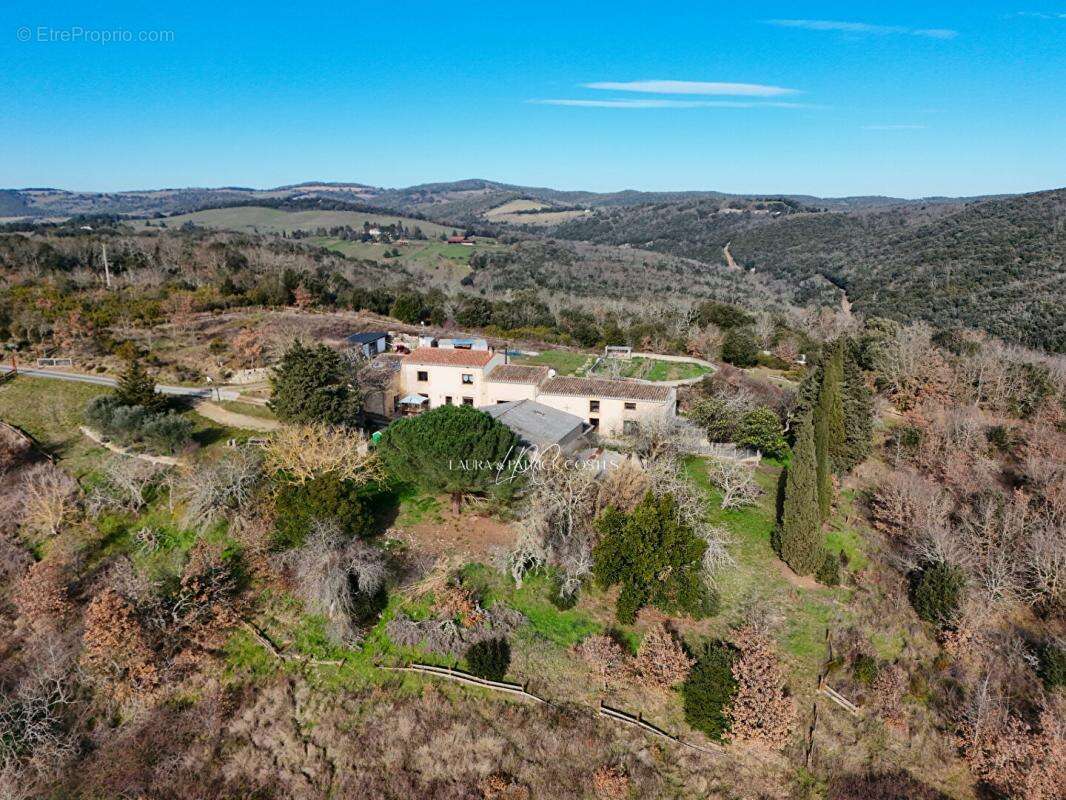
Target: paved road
101 380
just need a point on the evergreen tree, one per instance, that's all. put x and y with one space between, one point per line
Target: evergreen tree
653 556
829 425
454 449
799 538
311 384
858 412
136 388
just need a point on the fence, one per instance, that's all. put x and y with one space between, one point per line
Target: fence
466 678
522 692
55 362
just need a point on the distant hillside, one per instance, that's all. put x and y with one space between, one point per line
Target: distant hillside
455 202
994 264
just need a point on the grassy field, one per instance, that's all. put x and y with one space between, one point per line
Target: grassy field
564 362
252 219
248 409
653 369
50 411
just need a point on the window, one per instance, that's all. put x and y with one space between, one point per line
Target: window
448 400
631 406
630 427
468 401
594 405
468 378
423 376
595 423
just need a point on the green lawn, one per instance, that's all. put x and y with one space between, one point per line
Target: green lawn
50 411
758 579
248 409
564 362
653 369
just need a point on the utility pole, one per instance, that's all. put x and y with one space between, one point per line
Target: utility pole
107 269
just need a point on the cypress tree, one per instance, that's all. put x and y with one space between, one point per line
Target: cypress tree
829 426
799 538
858 412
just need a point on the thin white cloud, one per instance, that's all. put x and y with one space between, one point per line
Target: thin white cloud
1041 15
893 127
653 103
693 87
862 27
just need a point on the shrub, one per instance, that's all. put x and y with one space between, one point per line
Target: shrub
739 348
761 430
489 659
166 431
709 690
864 668
326 497
1051 665
936 592
828 573
661 659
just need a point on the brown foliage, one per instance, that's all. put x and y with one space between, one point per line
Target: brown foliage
1012 756
304 451
661 660
116 647
41 595
604 655
610 783
763 712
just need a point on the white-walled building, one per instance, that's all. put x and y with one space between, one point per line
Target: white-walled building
446 376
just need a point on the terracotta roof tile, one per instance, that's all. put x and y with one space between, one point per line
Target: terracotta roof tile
447 357
518 373
603 387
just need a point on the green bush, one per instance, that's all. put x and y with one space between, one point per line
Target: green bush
1051 664
715 416
709 690
489 659
739 348
326 497
130 425
453 449
864 668
655 558
936 592
828 574
760 429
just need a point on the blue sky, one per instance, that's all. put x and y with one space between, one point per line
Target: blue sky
903 98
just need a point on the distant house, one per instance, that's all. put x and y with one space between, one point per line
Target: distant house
460 240
540 426
368 344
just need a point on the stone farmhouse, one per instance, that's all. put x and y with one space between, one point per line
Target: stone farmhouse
433 376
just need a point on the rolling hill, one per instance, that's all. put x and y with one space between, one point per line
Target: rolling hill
996 264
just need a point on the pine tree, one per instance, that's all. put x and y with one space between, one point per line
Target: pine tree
136 388
799 537
858 412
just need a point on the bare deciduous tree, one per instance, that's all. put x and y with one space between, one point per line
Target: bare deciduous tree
49 498
304 451
221 488
736 482
333 573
